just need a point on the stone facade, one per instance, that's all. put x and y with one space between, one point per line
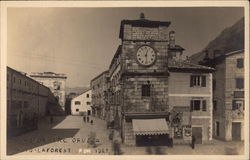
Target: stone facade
55 82
180 96
99 88
137 91
228 98
81 104
27 100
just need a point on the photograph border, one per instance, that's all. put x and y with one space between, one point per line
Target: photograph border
101 4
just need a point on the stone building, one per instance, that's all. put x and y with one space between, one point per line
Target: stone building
99 86
81 104
27 100
190 101
228 93
55 82
141 99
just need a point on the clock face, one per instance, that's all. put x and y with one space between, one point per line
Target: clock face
146 55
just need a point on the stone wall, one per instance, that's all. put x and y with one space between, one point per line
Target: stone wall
145 33
130 64
129 136
158 100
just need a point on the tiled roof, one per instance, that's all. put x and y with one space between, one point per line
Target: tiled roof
174 65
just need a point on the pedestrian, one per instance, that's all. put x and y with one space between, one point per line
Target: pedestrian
84 118
193 142
91 121
87 118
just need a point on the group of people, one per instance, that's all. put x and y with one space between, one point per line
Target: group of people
87 119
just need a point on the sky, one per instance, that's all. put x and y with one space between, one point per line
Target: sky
81 42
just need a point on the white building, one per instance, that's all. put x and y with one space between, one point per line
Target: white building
81 104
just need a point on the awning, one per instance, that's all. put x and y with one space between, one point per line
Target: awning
150 126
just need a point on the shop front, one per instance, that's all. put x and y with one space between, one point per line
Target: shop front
151 132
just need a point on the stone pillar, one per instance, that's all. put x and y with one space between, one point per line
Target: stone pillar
129 137
228 130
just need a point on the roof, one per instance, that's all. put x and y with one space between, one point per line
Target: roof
141 23
185 66
99 75
48 75
24 75
219 59
176 48
117 53
150 126
81 93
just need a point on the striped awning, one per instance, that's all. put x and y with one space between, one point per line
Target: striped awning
150 126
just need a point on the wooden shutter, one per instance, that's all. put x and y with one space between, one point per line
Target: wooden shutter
204 105
191 80
191 105
234 105
203 81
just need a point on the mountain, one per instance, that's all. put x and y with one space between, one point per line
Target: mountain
77 90
230 39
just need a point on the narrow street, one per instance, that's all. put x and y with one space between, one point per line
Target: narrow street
68 136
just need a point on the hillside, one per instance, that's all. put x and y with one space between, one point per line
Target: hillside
230 39
76 90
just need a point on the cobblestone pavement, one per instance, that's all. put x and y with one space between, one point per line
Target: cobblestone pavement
68 136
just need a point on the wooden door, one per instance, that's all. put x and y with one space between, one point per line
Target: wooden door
236 131
197 132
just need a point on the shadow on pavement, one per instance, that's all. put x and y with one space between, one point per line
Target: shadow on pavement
156 150
45 134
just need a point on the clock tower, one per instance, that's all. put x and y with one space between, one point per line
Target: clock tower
144 76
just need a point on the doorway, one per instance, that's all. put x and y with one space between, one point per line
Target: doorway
197 132
152 140
236 131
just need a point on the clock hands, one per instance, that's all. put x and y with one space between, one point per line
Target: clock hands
146 55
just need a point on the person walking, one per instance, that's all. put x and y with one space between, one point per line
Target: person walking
193 142
84 118
87 118
91 122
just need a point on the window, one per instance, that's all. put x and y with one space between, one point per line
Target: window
14 79
237 104
214 84
197 81
8 77
20 81
88 103
77 110
77 102
145 90
240 63
87 95
198 105
215 105
239 83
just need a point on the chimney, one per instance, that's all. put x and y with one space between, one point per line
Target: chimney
172 39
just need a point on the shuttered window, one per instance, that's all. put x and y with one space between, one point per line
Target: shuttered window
239 83
197 81
240 63
145 90
198 105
